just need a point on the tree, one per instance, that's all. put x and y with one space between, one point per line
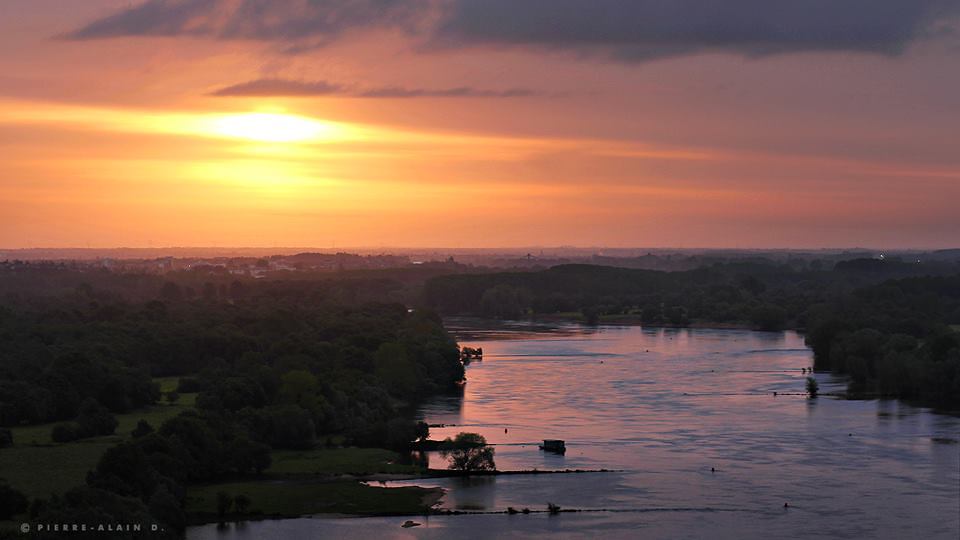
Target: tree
422 431
209 292
468 452
504 302
125 469
393 366
66 432
224 503
289 427
171 292
166 508
242 503
245 456
87 504
769 317
143 428
591 316
12 502
6 438
95 419
298 387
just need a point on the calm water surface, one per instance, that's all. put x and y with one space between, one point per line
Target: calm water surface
660 408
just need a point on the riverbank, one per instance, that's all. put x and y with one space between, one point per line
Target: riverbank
331 481
574 317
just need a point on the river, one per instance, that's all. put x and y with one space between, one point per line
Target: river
697 443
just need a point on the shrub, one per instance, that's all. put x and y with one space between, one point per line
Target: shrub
224 504
66 432
95 419
143 428
12 502
6 438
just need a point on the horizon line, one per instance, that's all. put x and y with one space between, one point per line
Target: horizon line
476 248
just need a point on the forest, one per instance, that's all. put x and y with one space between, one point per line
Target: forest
273 367
897 339
888 324
761 294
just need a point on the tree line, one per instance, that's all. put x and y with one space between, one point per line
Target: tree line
890 325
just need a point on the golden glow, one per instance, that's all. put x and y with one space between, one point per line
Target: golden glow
269 127
272 127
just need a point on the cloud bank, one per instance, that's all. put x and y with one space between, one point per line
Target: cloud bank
294 88
626 30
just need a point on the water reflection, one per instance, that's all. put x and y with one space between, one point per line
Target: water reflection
699 443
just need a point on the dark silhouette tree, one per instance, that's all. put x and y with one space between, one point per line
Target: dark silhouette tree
224 504
12 502
468 452
143 428
242 503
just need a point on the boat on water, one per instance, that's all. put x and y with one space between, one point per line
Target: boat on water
557 446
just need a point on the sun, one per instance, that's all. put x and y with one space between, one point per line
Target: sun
273 127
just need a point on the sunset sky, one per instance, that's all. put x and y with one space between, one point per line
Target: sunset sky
456 123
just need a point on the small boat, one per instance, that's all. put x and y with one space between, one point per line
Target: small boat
557 446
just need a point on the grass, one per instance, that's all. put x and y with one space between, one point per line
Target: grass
304 482
39 467
297 498
167 384
39 471
40 434
358 461
293 484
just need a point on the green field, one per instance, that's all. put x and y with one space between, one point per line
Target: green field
297 482
309 482
39 471
157 414
39 467
296 498
355 461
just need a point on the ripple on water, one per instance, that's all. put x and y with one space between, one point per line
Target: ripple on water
664 407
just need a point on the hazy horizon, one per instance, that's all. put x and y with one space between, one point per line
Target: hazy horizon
493 248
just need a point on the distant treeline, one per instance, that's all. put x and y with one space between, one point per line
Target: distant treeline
23 281
894 336
766 295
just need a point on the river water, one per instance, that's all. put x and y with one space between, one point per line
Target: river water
696 443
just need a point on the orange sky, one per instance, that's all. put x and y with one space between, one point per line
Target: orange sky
110 134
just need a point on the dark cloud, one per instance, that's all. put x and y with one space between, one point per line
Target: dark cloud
280 87
644 29
461 91
297 23
629 30
154 18
293 88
